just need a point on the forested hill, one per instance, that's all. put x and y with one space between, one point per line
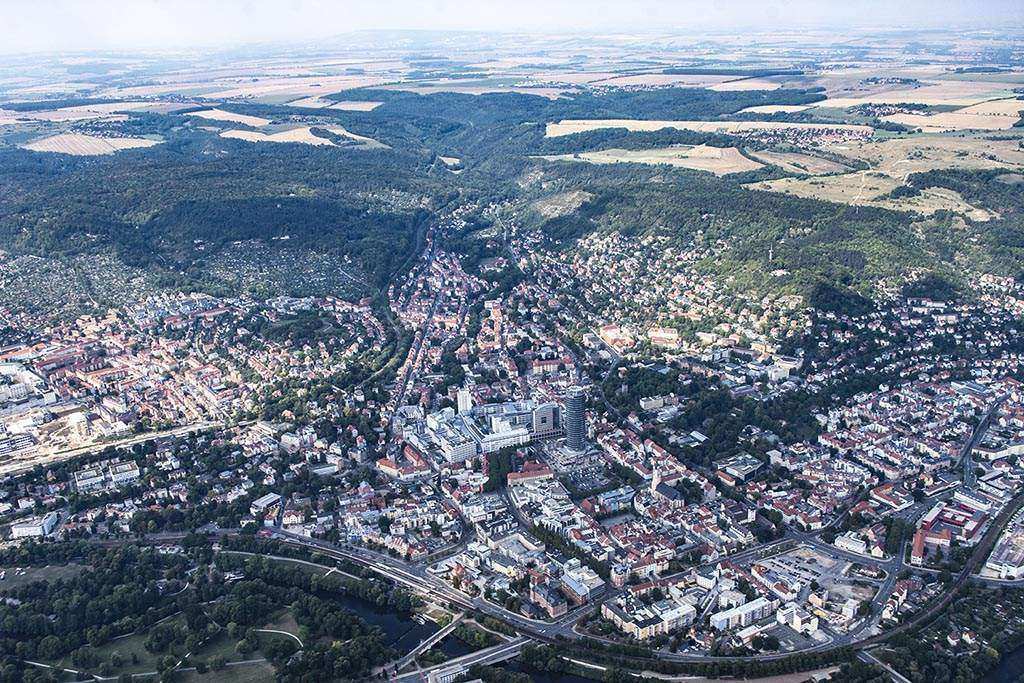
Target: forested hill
176 207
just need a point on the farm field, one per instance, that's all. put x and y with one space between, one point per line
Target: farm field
317 102
86 145
892 160
717 160
88 112
473 87
740 84
570 126
944 122
280 89
221 115
302 134
958 93
1000 114
677 80
774 109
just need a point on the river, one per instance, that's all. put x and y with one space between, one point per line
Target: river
1009 669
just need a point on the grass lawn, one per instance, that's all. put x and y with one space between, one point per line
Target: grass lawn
261 672
283 621
126 647
223 646
16 577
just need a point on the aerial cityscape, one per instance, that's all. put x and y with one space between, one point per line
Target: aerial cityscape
354 343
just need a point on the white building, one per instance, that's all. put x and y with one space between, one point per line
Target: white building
742 615
36 527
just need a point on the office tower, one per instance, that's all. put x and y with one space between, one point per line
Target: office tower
575 423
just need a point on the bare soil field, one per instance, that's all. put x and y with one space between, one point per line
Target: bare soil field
958 93
221 115
86 145
87 112
739 84
796 162
249 88
774 109
717 160
317 102
570 126
303 135
944 122
679 80
473 87
573 77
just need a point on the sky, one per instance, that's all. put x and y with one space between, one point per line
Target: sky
74 25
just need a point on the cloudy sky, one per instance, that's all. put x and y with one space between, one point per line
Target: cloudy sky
50 25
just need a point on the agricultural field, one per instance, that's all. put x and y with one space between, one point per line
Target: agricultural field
676 80
303 135
221 115
269 90
86 145
317 102
1000 114
473 87
717 160
774 109
899 157
571 126
739 84
929 92
88 112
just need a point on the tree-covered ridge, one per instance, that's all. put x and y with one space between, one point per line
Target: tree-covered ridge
173 209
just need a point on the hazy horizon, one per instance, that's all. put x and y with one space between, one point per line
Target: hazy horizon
77 25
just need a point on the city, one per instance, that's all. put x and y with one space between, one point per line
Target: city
515 361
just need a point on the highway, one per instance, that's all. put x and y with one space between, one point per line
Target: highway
451 669
418 580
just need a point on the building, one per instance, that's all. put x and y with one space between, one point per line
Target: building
581 583
548 599
851 542
575 419
634 618
463 435
465 401
106 476
260 506
742 615
797 618
35 527
545 421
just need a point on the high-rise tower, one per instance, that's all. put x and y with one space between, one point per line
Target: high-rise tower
575 422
